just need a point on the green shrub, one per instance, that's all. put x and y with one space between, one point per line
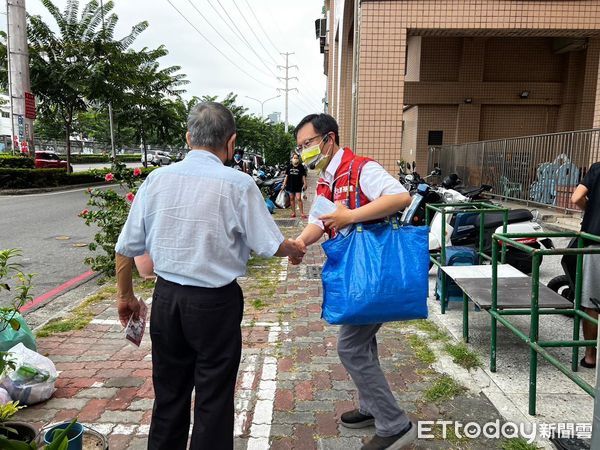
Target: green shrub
108 211
16 162
45 178
92 159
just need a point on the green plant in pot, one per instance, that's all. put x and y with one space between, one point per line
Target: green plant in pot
59 441
14 431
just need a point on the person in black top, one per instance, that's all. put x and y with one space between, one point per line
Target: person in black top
238 162
294 183
587 197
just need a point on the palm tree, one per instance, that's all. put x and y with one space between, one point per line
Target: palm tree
79 64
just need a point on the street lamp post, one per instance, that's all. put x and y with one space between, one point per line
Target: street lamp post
262 103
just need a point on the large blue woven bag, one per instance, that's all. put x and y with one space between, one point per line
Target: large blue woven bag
377 273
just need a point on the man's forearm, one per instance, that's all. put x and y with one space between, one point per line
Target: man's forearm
384 206
124 270
311 234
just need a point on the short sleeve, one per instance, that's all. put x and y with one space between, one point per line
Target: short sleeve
375 181
260 231
132 240
591 177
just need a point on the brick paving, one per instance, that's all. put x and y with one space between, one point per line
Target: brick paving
291 387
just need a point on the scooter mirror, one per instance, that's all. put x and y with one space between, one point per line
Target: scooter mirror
398 163
408 166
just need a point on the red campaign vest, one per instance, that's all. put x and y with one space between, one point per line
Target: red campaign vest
344 183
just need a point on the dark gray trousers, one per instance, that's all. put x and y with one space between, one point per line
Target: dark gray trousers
357 348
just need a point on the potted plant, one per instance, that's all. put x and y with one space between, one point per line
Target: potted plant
15 431
59 441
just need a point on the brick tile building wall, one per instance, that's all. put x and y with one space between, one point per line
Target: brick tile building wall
456 34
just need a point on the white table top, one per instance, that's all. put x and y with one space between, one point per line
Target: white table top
482 271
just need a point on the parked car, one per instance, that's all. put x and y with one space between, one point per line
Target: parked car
157 158
49 160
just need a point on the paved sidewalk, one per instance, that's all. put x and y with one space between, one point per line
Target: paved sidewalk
291 386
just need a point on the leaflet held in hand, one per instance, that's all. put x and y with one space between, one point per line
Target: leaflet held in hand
134 331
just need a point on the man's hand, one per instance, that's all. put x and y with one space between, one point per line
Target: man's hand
302 246
292 249
342 217
127 306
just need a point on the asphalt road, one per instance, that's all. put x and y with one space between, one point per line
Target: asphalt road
52 237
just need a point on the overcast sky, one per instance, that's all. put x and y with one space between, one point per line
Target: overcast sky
288 23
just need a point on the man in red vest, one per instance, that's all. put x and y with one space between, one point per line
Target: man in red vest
381 195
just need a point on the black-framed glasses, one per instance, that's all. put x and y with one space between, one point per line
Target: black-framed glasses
306 143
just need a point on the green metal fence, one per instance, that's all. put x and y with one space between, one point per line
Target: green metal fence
537 347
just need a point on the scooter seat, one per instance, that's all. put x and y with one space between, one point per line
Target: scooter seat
495 220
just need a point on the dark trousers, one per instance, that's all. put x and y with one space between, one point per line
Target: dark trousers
196 343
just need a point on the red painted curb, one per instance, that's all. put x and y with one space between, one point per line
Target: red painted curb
57 290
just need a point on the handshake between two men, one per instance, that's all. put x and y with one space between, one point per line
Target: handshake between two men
293 249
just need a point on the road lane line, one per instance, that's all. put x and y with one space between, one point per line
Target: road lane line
57 290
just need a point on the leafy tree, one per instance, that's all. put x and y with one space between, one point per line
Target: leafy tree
256 135
65 66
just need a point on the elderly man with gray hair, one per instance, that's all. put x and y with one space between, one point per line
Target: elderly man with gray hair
198 220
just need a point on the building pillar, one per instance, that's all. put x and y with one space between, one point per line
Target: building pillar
590 108
472 66
382 59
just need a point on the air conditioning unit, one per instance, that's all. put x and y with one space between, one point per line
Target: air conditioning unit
321 28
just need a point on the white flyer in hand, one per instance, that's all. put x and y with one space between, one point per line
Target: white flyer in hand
321 206
134 331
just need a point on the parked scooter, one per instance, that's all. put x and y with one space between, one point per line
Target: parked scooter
463 228
565 284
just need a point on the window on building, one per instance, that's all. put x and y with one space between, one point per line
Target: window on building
435 138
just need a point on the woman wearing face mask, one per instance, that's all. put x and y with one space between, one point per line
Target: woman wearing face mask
294 183
238 162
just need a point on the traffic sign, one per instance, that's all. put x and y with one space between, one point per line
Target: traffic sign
30 111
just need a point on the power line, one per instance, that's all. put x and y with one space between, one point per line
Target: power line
223 38
252 31
261 27
214 46
245 40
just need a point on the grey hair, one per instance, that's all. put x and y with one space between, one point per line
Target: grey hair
210 124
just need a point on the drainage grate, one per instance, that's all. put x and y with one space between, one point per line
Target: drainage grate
313 272
287 222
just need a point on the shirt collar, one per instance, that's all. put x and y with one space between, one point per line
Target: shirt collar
335 162
202 154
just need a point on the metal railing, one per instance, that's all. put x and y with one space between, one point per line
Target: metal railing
542 169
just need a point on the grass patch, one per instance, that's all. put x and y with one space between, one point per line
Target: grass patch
518 444
442 389
258 303
433 331
462 356
79 317
421 349
263 275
